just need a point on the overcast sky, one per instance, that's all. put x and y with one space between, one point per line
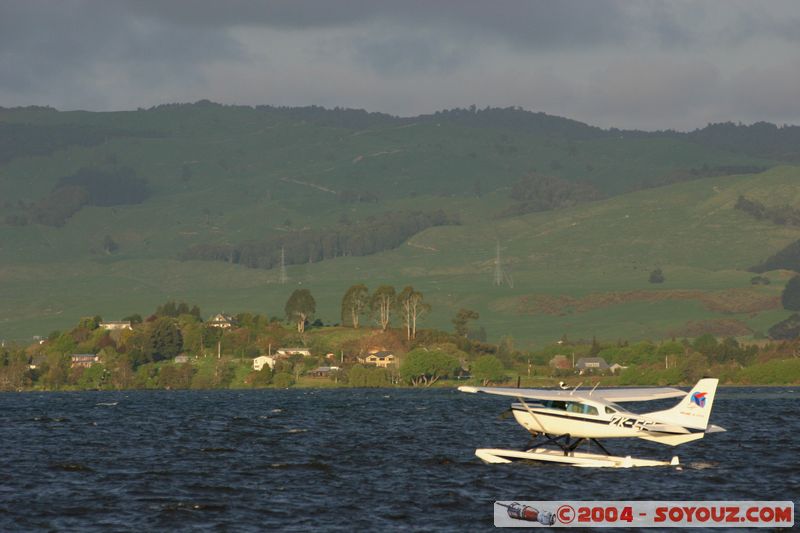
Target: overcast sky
636 64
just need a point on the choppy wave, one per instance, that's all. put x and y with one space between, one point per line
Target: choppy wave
340 460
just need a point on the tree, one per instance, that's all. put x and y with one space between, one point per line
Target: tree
57 371
461 320
488 368
426 367
413 307
786 329
14 372
595 349
164 340
657 276
121 371
92 378
282 380
176 376
135 318
693 367
224 372
362 376
90 322
354 302
706 344
790 297
260 378
381 304
109 245
300 307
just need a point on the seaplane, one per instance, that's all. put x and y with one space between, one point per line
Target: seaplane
563 419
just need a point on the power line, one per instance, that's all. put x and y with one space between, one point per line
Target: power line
283 277
501 275
498 268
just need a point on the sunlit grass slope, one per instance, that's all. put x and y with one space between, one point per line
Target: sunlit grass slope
598 254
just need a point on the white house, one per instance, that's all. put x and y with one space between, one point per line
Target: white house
221 321
591 364
286 352
116 325
84 360
261 360
616 368
382 359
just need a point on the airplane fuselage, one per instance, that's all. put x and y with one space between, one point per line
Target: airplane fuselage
617 424
595 415
597 419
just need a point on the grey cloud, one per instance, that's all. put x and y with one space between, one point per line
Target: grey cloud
405 54
532 22
664 92
648 64
767 92
61 43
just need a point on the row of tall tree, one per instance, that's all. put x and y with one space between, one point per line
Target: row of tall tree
381 305
384 302
371 235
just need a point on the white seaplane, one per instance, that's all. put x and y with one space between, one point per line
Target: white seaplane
567 418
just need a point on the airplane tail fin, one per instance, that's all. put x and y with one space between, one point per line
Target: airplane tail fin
693 410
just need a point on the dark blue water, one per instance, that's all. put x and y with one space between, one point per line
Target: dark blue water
341 460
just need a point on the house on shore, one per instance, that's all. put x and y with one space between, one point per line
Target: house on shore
286 352
221 321
591 364
382 359
83 360
116 325
261 360
322 371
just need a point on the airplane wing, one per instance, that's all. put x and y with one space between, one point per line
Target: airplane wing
608 395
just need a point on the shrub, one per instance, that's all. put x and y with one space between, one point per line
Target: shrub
657 276
488 368
786 329
790 297
282 380
258 379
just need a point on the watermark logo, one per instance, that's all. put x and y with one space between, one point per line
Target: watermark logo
527 513
643 514
699 398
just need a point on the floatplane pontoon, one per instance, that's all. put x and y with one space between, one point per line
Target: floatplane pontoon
564 419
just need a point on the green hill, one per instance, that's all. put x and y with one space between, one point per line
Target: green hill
224 176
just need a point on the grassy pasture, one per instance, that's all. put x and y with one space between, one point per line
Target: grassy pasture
255 174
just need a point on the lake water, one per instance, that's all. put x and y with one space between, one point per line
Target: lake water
342 460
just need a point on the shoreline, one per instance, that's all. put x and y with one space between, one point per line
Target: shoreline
390 387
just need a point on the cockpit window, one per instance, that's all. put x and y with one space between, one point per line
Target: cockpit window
555 404
610 410
570 407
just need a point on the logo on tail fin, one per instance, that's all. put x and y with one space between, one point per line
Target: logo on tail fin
699 398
